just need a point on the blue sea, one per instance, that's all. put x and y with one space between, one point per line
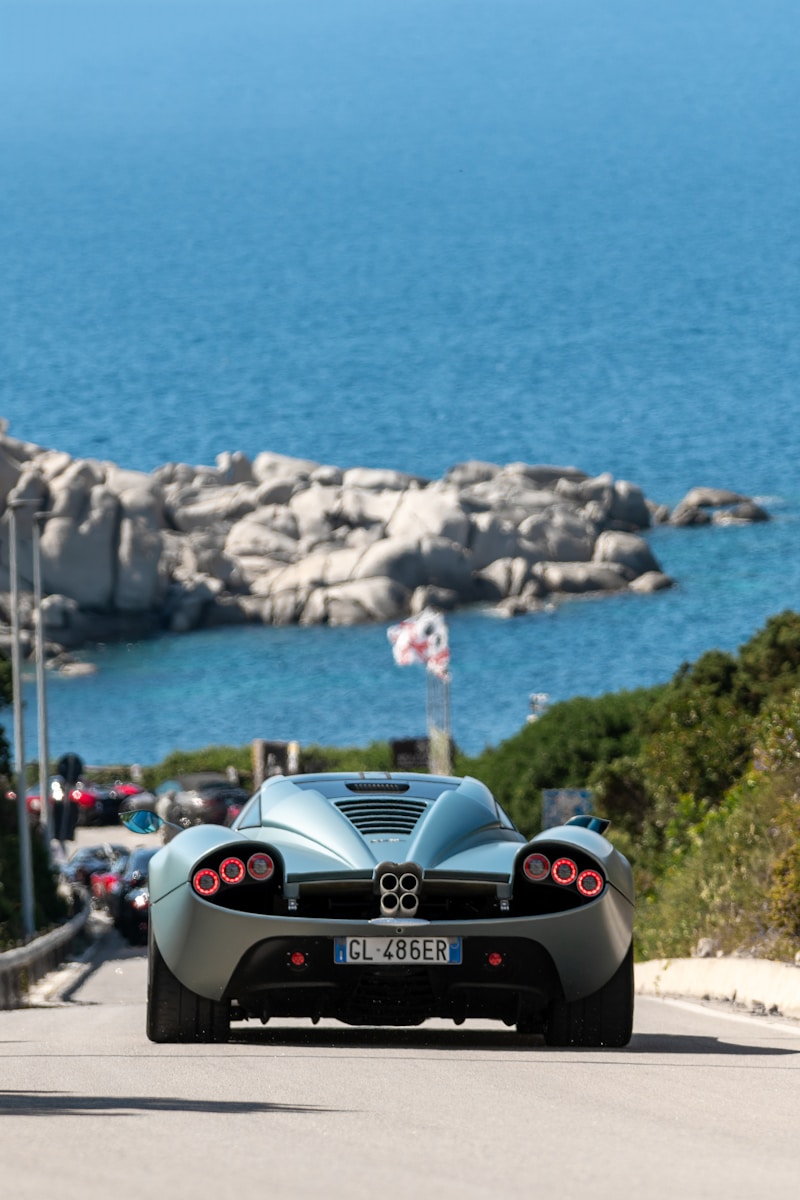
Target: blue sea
408 233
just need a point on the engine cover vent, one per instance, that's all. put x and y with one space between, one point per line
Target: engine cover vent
376 815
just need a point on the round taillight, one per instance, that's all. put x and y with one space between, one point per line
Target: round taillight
260 866
536 867
231 870
297 958
564 871
495 959
590 883
206 882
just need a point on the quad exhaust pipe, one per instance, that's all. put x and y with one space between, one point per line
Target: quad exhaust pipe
399 889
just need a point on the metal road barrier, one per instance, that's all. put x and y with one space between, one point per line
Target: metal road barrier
22 967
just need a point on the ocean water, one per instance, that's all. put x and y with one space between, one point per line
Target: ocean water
409 234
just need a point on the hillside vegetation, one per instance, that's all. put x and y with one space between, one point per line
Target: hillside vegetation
700 777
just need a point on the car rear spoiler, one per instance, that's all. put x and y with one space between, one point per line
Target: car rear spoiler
596 824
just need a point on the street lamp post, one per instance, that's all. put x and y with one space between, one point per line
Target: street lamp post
25 858
41 694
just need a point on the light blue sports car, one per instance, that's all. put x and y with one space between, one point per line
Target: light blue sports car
388 899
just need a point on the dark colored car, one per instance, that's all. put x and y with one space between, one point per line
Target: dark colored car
204 798
105 884
130 902
97 804
87 860
130 801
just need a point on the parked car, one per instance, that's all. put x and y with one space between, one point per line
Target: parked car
105 883
129 800
125 790
87 860
202 798
384 899
33 799
97 804
130 903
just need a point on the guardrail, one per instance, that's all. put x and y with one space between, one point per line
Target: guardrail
26 965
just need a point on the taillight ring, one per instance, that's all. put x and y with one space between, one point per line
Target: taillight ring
205 881
231 870
590 883
536 867
260 866
564 871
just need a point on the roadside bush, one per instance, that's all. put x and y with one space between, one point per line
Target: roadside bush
719 885
212 758
784 894
375 757
50 906
573 744
777 754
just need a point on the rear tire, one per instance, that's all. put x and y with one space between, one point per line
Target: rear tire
174 1014
603 1019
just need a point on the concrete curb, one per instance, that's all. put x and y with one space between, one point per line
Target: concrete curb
757 984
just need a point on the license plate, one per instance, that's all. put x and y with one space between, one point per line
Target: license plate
397 951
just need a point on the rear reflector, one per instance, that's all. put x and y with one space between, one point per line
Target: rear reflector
495 959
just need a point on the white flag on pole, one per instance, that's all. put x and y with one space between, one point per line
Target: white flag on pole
422 639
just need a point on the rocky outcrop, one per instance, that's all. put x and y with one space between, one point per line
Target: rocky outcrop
282 540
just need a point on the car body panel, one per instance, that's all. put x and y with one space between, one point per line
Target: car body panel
203 945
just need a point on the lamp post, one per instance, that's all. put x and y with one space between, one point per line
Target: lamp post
25 859
41 694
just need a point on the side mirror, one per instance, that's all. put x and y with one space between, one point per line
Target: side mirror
141 820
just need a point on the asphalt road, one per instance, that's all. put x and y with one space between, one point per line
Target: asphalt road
703 1103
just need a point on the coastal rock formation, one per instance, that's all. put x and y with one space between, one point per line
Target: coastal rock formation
282 540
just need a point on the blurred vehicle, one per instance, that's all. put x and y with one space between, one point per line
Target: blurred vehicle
130 902
202 798
130 801
97 804
33 799
122 790
105 883
87 860
86 804
235 801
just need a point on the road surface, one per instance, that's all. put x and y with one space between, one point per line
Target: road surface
703 1103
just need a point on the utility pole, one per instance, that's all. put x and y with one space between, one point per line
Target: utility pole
25 859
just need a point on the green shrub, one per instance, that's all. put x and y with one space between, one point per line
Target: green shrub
569 745
212 758
718 886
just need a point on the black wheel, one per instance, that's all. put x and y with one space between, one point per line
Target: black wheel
174 1014
603 1019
